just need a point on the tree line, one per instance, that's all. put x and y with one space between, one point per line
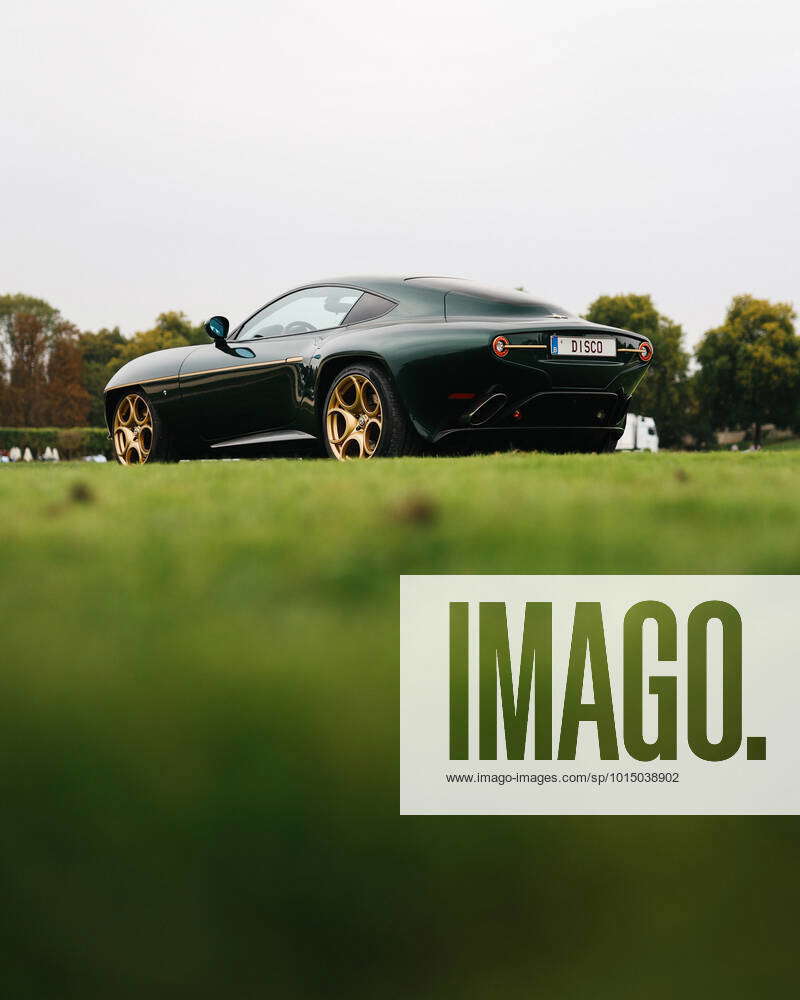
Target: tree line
53 375
744 374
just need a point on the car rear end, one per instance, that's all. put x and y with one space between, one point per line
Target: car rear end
563 385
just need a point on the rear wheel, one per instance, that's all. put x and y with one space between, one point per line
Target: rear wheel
363 417
139 433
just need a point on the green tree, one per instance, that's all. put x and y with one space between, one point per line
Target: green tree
749 371
101 357
663 394
699 423
172 329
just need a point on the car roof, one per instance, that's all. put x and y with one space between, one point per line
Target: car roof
405 284
429 291
385 284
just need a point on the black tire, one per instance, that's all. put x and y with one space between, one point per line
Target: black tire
397 435
139 434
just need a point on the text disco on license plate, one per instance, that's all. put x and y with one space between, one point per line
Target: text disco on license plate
590 347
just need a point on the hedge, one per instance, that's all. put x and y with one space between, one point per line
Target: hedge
72 442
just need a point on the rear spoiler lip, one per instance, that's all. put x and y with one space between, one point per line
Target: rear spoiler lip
573 324
585 329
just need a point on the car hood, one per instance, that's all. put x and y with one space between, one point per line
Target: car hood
156 364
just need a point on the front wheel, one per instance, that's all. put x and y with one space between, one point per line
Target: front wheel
139 433
363 417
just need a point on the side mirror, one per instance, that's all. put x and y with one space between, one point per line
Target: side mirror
217 327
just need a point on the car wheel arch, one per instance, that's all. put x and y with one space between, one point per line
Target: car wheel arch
115 394
112 397
331 367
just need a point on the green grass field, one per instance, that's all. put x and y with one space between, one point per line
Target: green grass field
788 444
200 737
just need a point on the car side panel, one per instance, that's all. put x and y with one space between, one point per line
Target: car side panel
226 396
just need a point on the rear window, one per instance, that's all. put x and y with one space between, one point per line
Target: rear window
458 305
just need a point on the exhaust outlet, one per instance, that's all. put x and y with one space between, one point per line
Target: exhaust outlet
487 409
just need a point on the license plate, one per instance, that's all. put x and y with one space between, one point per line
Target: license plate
583 347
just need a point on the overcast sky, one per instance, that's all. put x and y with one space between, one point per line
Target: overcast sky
205 156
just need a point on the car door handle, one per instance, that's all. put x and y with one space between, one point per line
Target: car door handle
289 360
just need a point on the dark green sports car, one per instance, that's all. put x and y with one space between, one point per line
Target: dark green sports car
366 367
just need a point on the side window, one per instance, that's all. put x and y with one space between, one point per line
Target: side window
369 306
301 312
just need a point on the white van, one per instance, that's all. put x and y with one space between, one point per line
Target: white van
640 434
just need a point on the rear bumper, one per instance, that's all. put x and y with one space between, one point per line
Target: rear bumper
549 413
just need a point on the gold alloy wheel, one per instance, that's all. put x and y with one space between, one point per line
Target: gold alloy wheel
354 420
133 430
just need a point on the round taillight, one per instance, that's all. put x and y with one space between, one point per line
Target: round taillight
645 350
500 346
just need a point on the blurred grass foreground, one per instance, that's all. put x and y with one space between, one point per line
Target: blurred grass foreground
200 739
